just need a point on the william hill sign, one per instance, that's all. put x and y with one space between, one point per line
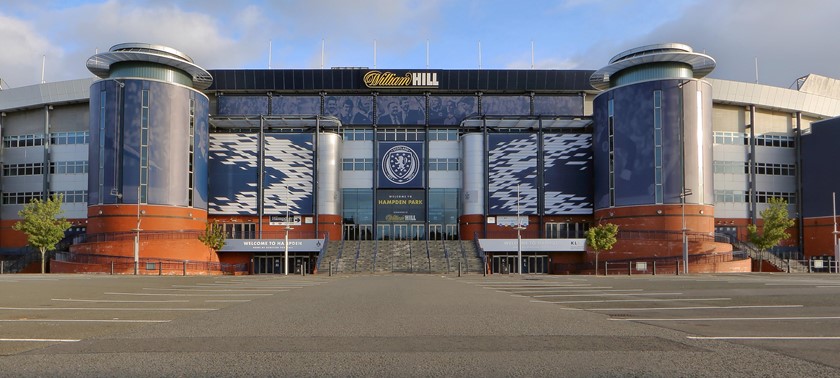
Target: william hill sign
387 79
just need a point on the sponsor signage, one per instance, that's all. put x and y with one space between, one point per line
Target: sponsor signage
400 79
401 165
272 245
511 220
400 206
281 220
533 245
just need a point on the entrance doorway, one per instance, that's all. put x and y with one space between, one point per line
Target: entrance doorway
274 264
531 264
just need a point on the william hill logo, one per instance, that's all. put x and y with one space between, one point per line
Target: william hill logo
378 79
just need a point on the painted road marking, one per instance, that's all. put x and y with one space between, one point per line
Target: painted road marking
647 300
730 319
217 290
227 300
42 340
82 321
104 309
690 308
191 295
764 337
601 295
116 301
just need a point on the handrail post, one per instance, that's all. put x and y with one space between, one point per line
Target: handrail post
654 267
185 267
606 269
160 268
630 268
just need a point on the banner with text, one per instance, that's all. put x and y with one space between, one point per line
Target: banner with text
400 206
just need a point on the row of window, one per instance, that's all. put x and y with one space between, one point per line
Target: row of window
566 230
22 198
357 164
741 167
741 196
742 139
57 167
31 140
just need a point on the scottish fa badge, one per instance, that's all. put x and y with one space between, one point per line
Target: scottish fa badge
400 164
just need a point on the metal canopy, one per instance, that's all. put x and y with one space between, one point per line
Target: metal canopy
286 121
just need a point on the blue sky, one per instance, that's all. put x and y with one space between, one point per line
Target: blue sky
789 39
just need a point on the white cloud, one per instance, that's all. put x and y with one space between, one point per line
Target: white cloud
23 49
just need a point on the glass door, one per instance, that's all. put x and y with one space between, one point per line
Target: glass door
401 232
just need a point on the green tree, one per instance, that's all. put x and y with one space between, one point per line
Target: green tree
43 225
213 236
776 222
601 238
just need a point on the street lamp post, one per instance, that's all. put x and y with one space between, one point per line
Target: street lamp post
519 229
685 193
834 234
137 236
286 241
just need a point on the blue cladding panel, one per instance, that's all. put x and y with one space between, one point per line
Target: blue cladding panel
600 148
202 145
243 105
568 174
558 105
233 174
634 150
513 161
819 177
289 162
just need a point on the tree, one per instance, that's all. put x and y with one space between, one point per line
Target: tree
776 222
601 238
213 236
43 225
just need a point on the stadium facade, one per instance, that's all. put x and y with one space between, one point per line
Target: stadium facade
366 169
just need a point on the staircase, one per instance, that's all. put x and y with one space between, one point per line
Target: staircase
419 256
334 249
784 265
438 257
473 262
366 256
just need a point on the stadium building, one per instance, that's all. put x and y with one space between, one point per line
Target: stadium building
416 170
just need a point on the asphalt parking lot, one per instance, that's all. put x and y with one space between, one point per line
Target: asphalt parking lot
420 325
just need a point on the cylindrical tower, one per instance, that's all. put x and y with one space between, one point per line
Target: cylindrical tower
652 145
148 153
474 176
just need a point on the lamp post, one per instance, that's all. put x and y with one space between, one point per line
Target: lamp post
834 234
519 229
137 235
685 193
286 241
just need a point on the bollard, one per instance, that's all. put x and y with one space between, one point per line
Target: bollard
160 268
329 263
629 268
112 268
606 268
2 266
654 267
185 267
459 269
678 268
788 264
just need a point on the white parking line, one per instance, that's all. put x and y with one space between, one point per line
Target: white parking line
103 309
529 292
764 337
42 340
226 300
728 319
82 321
116 301
601 295
243 290
192 295
582 288
647 300
688 308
